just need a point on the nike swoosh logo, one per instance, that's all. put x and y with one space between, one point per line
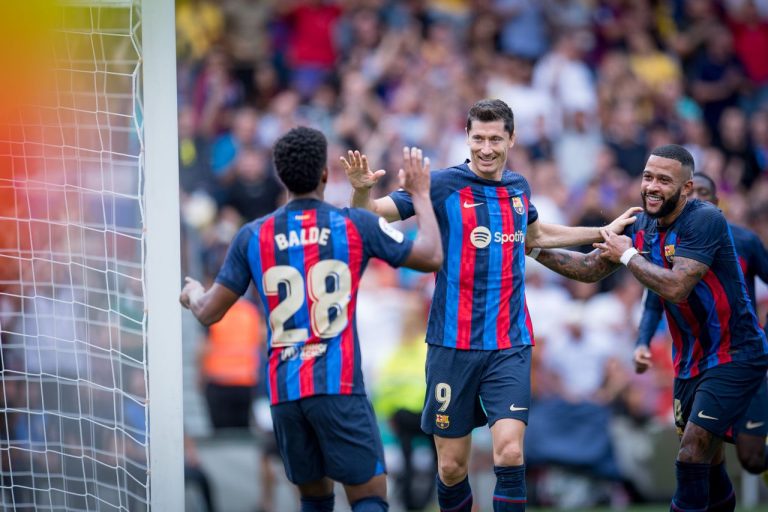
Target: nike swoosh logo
754 424
471 205
515 409
705 417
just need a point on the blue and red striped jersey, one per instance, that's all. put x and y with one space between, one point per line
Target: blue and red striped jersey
306 260
717 323
753 260
479 298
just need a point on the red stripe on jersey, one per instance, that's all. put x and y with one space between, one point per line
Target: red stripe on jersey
677 340
355 261
267 253
311 256
640 240
743 265
507 272
697 351
466 272
723 309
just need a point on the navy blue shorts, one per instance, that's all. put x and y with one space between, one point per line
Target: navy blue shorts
469 388
334 436
717 398
755 420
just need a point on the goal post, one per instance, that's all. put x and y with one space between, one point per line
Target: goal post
90 325
163 258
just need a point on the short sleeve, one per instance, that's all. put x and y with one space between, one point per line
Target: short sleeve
380 239
703 235
403 202
235 273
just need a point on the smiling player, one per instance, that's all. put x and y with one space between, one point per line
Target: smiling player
682 249
479 332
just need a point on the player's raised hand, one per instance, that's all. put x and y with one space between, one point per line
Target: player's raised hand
642 359
358 172
414 176
624 220
191 288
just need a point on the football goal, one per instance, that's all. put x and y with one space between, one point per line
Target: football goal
90 366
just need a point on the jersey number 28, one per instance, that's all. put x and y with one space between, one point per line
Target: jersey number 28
319 276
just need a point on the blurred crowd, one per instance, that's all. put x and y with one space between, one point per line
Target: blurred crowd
594 85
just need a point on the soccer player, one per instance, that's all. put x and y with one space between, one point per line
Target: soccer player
306 260
682 250
750 431
479 331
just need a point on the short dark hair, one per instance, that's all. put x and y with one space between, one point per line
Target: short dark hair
709 180
676 152
489 110
300 157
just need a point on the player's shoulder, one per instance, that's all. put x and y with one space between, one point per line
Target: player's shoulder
516 181
366 222
702 215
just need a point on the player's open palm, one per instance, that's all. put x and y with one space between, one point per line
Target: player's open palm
414 176
358 171
624 220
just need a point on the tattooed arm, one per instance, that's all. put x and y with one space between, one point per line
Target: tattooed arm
588 268
672 284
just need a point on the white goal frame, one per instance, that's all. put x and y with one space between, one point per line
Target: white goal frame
162 258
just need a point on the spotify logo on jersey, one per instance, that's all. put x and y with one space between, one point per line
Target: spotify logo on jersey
480 237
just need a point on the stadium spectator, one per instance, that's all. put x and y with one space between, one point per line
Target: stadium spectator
324 424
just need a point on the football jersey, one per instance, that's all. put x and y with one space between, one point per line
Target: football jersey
479 298
753 260
306 260
717 322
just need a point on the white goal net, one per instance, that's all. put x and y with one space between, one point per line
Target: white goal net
73 321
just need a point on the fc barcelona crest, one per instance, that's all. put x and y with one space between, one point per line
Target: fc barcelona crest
517 204
442 421
669 253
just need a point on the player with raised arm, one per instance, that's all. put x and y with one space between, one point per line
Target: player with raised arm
479 331
306 260
682 249
749 433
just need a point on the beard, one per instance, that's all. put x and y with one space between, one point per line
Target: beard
667 206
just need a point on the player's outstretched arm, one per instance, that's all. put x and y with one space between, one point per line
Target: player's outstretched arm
207 306
588 268
672 284
548 236
427 252
363 180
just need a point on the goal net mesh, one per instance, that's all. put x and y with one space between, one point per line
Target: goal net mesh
73 431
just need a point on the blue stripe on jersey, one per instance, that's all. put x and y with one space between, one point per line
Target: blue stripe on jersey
301 317
518 263
481 269
338 227
493 272
452 267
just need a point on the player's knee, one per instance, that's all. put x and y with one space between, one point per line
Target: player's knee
752 463
691 454
508 454
452 471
